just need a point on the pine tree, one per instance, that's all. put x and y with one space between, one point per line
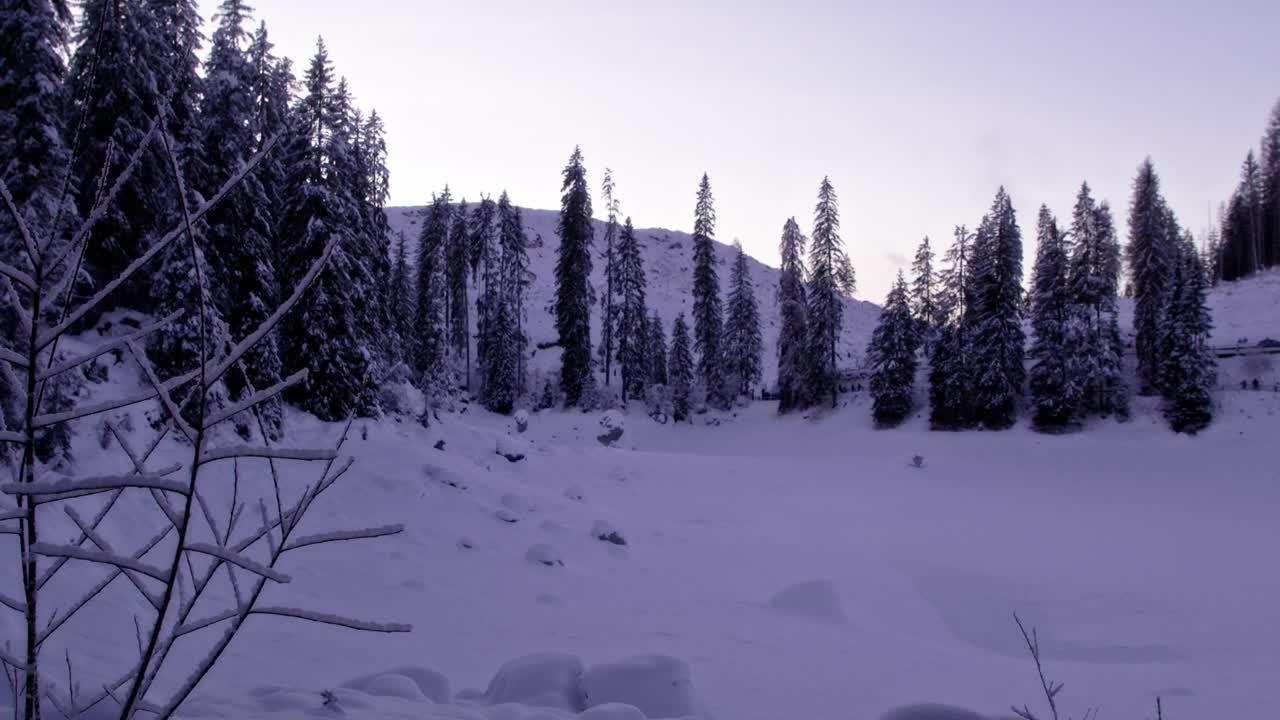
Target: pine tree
1187 370
455 256
1242 233
238 231
1270 190
743 345
708 311
1093 280
501 365
680 370
892 357
1055 391
632 315
515 278
924 282
831 279
955 281
951 364
573 281
402 296
997 316
429 331
609 314
793 307
657 351
1150 253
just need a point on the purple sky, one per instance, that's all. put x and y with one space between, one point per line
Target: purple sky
917 110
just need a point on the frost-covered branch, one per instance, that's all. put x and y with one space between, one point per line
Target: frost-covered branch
157 480
13 358
255 399
33 252
96 538
108 346
1050 688
17 276
166 400
12 603
12 437
94 556
342 535
330 619
261 451
238 560
43 421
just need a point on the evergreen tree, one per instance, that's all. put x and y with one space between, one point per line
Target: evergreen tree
708 312
429 331
657 351
484 240
1093 280
501 365
997 338
609 314
955 281
680 370
455 256
631 331
1187 370
892 357
573 281
1242 234
515 278
1270 190
951 368
1150 253
924 282
238 231
1055 391
831 279
743 345
793 307
402 296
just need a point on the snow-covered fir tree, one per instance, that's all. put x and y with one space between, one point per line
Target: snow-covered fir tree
608 301
456 258
743 345
708 309
924 290
429 339
657 351
402 296
484 245
997 336
1150 254
1270 191
573 281
515 279
238 231
1187 367
793 307
954 282
1093 282
831 279
680 371
1242 236
632 333
951 367
891 354
1055 388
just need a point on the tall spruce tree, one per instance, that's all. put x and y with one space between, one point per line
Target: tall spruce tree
892 357
402 297
924 289
743 344
657 351
1187 368
457 318
632 313
608 302
680 370
484 238
831 279
429 330
1094 280
793 391
1055 390
1150 254
573 281
998 340
515 278
708 310
1270 191
951 364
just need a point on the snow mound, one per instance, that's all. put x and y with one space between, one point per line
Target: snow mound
522 420
444 476
931 712
575 493
516 503
605 532
406 683
507 516
612 424
542 680
544 554
816 600
657 685
613 711
512 449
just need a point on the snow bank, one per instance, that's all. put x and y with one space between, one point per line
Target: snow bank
931 712
542 680
544 554
659 686
816 600
613 711
406 683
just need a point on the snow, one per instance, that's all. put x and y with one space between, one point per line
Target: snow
794 567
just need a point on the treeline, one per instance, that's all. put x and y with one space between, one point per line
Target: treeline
968 319
1248 239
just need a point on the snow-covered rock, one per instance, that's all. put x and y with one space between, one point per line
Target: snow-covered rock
612 711
406 683
606 532
659 686
816 600
445 476
544 554
612 424
521 418
543 679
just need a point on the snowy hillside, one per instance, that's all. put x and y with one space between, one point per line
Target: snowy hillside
668 257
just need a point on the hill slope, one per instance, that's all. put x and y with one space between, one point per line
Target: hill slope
668 257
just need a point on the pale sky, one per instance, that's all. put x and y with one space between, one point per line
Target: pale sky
917 110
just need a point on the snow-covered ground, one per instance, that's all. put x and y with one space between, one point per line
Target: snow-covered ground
798 567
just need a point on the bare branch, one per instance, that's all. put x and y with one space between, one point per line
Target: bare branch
246 451
12 358
328 619
105 547
170 406
254 399
33 253
343 535
189 627
156 480
1051 689
119 561
43 421
108 346
12 437
238 560
12 603
17 276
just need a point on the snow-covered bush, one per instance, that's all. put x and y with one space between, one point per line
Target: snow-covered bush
659 404
521 418
613 425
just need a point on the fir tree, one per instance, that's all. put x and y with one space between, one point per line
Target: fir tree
484 239
743 345
429 339
1187 370
501 366
955 281
455 256
515 277
631 331
1150 254
402 297
708 312
793 307
997 316
1270 190
609 315
573 281
924 283
657 351
680 370
1093 280
831 279
951 364
892 357
1055 391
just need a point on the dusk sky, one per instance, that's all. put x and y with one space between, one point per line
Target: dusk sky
916 110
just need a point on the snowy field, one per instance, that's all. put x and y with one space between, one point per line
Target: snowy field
802 568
